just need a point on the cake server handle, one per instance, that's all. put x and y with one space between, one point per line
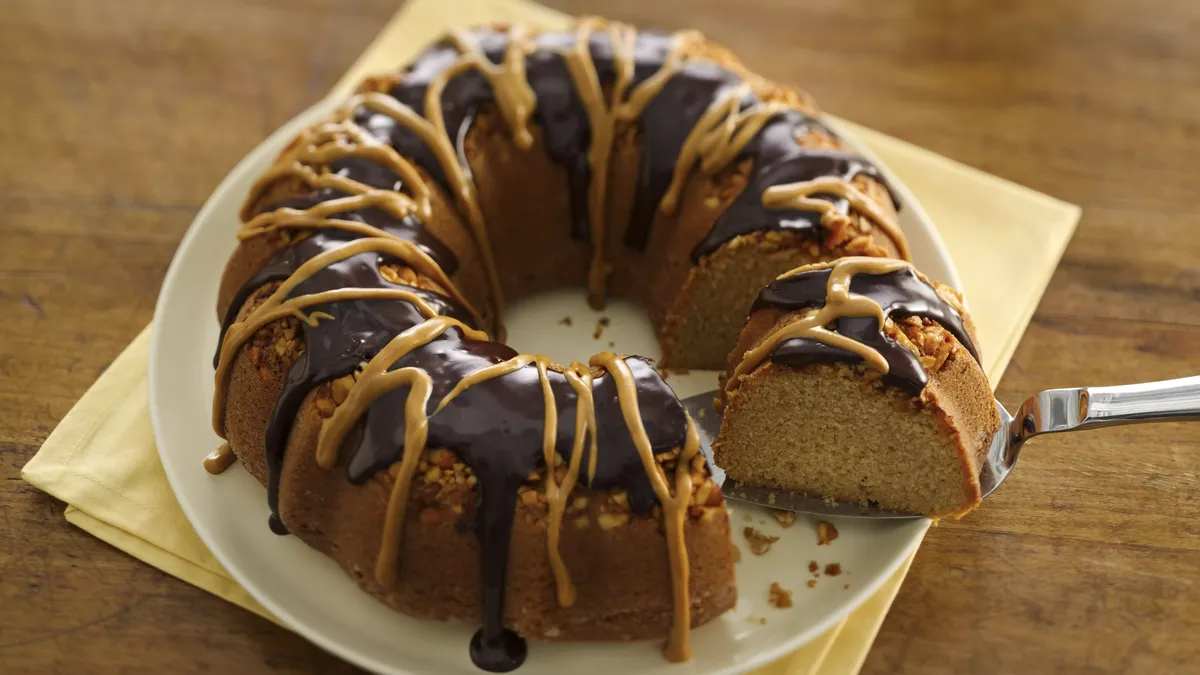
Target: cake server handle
1056 410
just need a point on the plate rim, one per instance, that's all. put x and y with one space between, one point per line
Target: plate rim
271 145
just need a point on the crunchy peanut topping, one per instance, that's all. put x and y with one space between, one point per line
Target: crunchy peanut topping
785 518
759 543
779 596
826 533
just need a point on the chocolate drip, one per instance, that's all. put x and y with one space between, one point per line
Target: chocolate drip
900 294
334 347
495 426
778 160
663 125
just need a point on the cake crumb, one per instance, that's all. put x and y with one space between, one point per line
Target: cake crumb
771 498
565 321
601 324
814 566
785 518
760 620
780 597
759 543
812 583
833 569
737 554
845 587
826 533
611 344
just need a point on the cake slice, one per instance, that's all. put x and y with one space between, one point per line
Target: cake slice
859 380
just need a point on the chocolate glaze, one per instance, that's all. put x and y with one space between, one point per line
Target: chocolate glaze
496 426
664 126
901 294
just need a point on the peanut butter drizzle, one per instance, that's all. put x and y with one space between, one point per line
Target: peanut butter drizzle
277 306
495 370
674 506
580 378
720 134
375 381
220 459
319 215
320 146
603 118
839 302
799 196
514 97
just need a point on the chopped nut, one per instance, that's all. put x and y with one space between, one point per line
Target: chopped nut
779 596
433 475
325 406
444 459
339 389
715 496
529 497
610 521
826 533
579 503
759 543
620 497
812 583
785 518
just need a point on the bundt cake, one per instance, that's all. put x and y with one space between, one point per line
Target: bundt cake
357 377
877 369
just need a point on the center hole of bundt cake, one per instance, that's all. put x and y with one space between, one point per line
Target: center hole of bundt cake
560 324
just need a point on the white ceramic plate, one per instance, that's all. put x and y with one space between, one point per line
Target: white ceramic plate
312 595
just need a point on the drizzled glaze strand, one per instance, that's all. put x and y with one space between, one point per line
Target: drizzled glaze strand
801 196
220 459
376 380
839 302
674 506
332 141
278 306
717 139
604 117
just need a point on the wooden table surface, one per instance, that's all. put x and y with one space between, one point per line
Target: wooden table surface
118 118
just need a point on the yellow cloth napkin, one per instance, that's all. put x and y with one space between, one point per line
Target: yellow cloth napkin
101 459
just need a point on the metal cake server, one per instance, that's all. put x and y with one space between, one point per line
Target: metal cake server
1050 411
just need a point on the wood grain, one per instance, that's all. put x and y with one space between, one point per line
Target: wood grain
120 117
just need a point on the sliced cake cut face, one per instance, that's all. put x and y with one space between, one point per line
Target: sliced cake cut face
859 380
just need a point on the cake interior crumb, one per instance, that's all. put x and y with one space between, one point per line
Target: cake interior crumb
814 566
601 324
785 518
833 569
565 321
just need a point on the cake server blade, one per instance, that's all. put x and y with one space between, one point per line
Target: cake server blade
1049 411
